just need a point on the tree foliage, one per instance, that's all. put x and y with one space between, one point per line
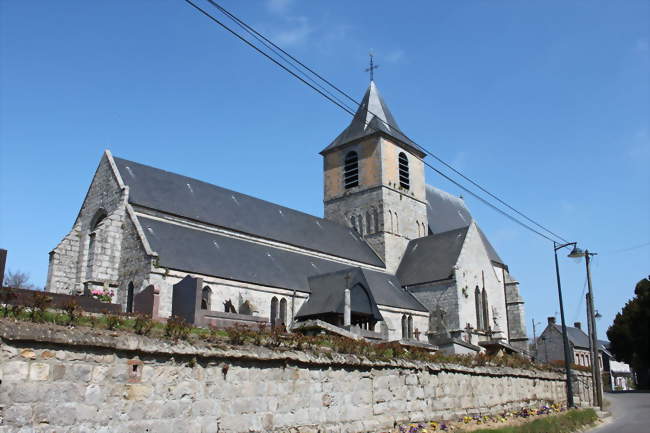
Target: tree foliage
630 333
17 280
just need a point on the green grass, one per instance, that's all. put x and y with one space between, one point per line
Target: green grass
565 423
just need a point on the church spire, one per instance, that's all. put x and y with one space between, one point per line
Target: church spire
372 117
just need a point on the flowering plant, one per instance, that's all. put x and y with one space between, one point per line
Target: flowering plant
103 295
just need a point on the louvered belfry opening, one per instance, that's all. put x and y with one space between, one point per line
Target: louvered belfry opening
351 170
403 171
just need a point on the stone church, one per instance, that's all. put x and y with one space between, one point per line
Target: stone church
407 259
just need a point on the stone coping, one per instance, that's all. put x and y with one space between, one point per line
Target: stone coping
19 331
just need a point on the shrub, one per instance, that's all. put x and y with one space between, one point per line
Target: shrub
6 296
239 334
142 324
17 310
177 328
40 303
73 310
113 321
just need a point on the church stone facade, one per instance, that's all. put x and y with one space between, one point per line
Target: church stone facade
419 257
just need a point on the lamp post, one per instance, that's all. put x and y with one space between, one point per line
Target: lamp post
565 339
593 335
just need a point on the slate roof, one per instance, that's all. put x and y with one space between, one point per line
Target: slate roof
447 212
190 198
197 251
327 295
580 338
431 258
372 116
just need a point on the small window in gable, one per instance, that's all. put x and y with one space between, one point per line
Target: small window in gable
403 171
351 170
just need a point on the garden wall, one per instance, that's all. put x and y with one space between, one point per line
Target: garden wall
63 380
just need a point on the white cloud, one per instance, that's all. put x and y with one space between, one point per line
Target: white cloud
394 56
278 6
459 162
298 31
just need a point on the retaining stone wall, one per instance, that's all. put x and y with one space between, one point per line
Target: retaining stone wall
63 380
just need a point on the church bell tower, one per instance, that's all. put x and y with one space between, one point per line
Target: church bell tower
374 180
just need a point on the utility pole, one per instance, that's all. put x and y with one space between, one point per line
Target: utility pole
595 360
535 340
565 338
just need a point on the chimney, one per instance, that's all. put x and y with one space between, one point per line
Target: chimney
578 325
551 320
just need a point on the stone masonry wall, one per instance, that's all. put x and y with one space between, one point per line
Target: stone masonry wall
67 381
71 266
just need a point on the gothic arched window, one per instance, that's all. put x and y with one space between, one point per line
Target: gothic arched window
129 297
486 311
353 222
274 311
404 181
368 223
206 294
479 308
93 229
351 170
410 327
283 311
375 218
405 329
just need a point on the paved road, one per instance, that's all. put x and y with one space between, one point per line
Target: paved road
630 411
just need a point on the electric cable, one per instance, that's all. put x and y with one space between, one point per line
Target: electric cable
275 48
326 94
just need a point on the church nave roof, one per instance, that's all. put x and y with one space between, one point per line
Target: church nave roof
200 201
196 251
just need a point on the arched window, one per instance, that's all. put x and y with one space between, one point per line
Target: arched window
410 327
403 171
486 311
351 170
368 223
405 329
479 308
93 228
417 223
375 218
283 311
99 217
206 295
396 224
390 215
129 297
360 221
353 222
274 311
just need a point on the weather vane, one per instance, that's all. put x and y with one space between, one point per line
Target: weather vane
372 67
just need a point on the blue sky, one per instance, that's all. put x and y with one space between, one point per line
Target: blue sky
545 103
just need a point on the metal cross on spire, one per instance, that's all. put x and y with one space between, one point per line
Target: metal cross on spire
372 67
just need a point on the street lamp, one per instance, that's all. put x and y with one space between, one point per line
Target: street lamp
565 339
593 335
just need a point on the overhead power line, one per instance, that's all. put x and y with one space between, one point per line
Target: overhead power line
284 55
292 61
